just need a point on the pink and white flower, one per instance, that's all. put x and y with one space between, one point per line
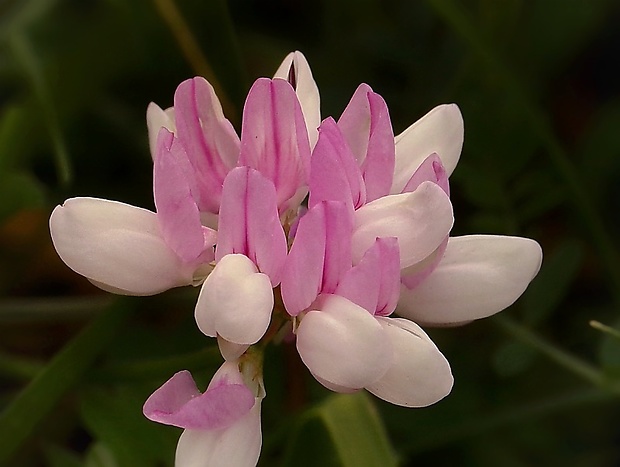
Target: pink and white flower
222 425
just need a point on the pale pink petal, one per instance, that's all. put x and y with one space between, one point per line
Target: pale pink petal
420 220
118 245
367 127
334 174
235 301
430 170
156 119
478 276
343 344
274 140
177 211
249 223
229 350
179 403
319 256
440 131
238 445
374 284
296 71
416 274
208 138
419 375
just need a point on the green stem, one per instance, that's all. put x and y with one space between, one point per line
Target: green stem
20 418
461 23
190 48
577 366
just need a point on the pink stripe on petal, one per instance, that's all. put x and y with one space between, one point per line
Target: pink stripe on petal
274 139
208 137
179 403
431 170
374 284
334 173
249 223
319 256
177 212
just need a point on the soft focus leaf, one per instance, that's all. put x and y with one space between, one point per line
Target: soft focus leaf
19 191
100 455
345 430
57 456
115 418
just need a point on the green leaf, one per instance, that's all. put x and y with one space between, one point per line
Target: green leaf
99 455
20 418
114 416
344 431
57 456
553 282
19 191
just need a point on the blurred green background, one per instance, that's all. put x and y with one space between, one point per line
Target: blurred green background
537 83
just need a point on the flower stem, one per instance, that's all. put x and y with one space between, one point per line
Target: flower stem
190 48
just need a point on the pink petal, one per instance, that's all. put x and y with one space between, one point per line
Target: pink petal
319 256
208 138
343 344
249 223
374 284
420 220
235 301
117 246
440 131
177 211
367 127
296 71
478 276
431 170
274 140
179 403
334 174
238 445
419 375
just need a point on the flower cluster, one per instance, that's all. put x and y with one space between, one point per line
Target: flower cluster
231 216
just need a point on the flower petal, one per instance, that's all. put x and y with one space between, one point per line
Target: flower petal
249 222
156 119
440 131
478 276
374 284
118 245
209 139
367 127
177 212
235 301
319 256
274 140
430 170
296 70
420 220
179 403
419 374
343 344
238 445
334 173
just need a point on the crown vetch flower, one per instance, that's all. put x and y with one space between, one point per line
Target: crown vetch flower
222 425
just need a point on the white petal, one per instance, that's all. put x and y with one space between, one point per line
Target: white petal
229 350
117 245
238 445
343 344
439 131
306 90
419 375
421 220
156 119
478 276
235 301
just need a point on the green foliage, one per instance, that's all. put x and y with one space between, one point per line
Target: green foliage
536 82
